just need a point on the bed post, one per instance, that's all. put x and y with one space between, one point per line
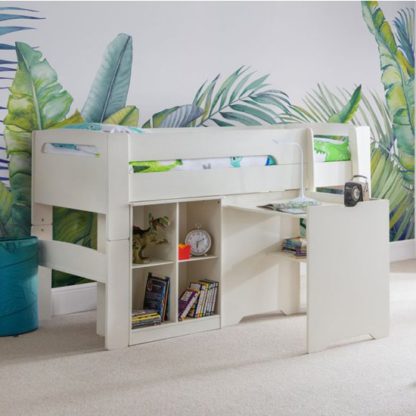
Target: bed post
360 147
117 246
42 228
41 218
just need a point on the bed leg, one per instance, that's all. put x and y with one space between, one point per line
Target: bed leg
100 309
117 294
43 232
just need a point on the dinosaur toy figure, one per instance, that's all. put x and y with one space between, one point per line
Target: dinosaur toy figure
148 237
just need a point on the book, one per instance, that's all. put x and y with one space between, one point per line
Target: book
156 294
145 317
294 206
212 295
204 288
206 300
296 246
186 301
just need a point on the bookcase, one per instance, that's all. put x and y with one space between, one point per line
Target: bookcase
183 217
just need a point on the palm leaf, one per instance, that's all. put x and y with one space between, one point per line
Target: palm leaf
347 112
405 25
108 92
180 116
239 99
127 116
398 81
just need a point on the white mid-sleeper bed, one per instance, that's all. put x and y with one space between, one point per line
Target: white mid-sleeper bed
253 277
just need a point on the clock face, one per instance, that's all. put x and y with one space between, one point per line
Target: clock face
199 240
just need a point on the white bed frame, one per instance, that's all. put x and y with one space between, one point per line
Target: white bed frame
254 277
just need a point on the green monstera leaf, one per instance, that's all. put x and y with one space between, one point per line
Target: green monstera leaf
37 101
108 93
398 80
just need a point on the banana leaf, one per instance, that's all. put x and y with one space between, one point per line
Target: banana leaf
398 81
109 90
37 101
127 116
6 223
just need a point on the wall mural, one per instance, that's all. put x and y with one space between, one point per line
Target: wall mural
38 101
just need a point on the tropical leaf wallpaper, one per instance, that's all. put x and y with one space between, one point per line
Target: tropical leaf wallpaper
37 100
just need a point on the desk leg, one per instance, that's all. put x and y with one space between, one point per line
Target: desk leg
289 287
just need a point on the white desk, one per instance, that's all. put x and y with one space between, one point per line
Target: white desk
347 268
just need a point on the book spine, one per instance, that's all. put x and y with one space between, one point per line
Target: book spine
205 304
189 305
214 301
201 303
193 311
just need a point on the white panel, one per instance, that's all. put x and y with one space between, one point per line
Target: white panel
249 282
348 272
67 180
74 259
191 143
183 184
332 173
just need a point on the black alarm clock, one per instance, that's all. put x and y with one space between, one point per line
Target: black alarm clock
356 191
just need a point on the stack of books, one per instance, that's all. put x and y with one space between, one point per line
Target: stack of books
296 246
145 317
155 304
198 300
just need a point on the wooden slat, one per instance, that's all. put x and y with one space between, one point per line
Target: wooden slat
74 259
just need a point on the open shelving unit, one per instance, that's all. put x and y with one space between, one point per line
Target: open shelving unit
183 216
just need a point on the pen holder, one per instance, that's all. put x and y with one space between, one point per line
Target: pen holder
184 251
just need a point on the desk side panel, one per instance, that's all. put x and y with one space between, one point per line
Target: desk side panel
348 272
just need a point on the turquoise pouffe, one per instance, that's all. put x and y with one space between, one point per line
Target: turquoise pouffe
18 285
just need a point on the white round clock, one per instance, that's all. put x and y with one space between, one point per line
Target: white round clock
199 240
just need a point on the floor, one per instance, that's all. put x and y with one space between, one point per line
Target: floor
256 368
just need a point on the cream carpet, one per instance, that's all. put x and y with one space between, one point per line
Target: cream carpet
256 368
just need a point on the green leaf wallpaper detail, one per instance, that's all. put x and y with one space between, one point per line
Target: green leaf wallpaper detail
127 116
398 81
180 116
37 101
6 223
108 93
239 100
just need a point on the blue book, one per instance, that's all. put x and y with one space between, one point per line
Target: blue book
157 294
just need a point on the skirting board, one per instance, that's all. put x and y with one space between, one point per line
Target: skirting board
73 299
81 298
402 250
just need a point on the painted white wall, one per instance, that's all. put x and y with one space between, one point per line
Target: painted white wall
179 45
